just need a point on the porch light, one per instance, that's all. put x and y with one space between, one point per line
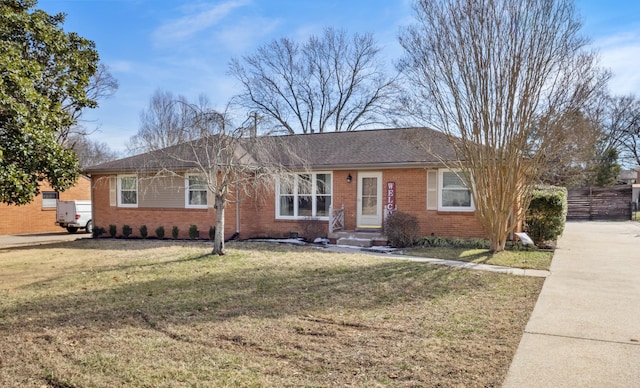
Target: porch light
349 178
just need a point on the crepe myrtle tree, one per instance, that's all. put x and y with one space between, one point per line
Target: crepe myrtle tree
226 161
498 77
44 75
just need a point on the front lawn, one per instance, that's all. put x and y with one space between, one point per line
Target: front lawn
103 313
528 259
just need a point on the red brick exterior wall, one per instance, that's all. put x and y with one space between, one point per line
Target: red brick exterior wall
32 218
105 215
257 215
411 186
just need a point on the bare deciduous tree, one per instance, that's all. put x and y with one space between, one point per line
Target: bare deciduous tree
101 85
228 162
331 83
162 124
498 77
569 158
618 118
90 152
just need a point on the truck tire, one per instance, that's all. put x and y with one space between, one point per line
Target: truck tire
72 229
89 228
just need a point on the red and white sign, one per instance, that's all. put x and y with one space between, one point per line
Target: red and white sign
391 197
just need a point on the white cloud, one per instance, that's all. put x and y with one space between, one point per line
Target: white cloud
195 20
246 34
620 54
121 66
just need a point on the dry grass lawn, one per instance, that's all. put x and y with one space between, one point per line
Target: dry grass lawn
106 313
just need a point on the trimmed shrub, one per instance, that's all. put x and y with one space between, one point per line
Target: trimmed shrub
212 233
143 231
547 214
175 232
98 231
126 230
113 230
193 232
401 229
160 232
312 228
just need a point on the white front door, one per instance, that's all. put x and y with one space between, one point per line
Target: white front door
369 200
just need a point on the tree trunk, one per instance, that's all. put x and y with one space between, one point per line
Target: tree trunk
218 240
498 235
497 244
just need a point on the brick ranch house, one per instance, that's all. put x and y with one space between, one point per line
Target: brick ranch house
39 216
355 177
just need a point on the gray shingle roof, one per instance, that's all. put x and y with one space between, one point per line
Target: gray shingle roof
379 148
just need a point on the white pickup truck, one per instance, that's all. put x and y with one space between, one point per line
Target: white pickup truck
74 215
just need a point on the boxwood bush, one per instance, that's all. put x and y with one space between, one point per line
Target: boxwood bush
193 232
143 231
160 232
547 214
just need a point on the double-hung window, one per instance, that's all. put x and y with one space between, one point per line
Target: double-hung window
455 194
49 199
128 191
305 195
196 191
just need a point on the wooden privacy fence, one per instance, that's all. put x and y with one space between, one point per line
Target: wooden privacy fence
600 203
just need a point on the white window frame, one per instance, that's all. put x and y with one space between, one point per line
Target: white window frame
187 190
120 204
50 203
441 173
314 197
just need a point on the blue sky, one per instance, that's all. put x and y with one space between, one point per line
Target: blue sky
185 46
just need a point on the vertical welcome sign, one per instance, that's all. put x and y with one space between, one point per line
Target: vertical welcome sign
390 205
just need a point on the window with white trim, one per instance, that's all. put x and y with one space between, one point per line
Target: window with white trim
127 191
455 194
195 191
306 195
49 199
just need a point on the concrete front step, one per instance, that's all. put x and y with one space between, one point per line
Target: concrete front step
355 242
359 238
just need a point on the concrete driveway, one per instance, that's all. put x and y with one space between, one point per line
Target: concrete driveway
585 328
7 241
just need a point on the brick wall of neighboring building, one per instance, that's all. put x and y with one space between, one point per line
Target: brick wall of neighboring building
257 214
33 218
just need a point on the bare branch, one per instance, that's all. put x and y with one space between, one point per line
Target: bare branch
499 76
329 83
230 162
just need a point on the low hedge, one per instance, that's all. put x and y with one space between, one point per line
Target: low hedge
547 214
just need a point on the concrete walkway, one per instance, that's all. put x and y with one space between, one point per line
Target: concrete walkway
585 328
8 241
450 263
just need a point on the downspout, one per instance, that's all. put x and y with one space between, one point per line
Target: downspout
93 204
237 210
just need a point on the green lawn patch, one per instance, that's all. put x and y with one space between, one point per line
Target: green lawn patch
527 259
